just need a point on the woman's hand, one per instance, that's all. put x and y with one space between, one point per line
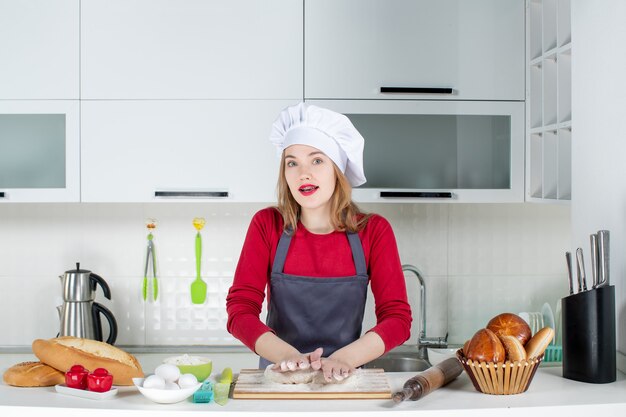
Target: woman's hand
300 361
335 369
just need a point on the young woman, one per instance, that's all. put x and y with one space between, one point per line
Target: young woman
315 254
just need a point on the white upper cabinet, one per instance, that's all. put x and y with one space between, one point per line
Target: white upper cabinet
193 49
39 43
173 150
476 49
438 151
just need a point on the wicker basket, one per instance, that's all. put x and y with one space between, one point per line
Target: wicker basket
502 378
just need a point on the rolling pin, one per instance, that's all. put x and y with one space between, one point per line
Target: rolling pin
431 379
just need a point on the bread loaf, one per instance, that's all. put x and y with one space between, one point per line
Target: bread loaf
33 374
485 346
513 347
63 352
539 342
509 324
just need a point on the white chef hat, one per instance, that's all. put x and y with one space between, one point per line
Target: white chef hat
326 130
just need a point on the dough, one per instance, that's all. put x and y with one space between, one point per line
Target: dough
300 376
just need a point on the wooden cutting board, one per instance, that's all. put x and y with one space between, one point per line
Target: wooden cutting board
368 384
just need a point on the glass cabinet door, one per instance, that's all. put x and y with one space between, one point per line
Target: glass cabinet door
436 151
454 151
39 151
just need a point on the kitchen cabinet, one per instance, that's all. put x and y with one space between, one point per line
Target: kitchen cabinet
353 48
438 151
164 150
39 43
196 49
39 151
549 101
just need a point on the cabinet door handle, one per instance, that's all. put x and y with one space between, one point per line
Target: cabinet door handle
416 90
191 194
416 194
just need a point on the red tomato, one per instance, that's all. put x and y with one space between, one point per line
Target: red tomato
76 377
100 380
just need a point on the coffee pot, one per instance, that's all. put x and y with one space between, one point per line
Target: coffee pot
80 314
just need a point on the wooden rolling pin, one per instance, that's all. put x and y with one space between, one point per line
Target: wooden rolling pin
425 382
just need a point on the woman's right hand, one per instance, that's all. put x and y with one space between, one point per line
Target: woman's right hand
300 361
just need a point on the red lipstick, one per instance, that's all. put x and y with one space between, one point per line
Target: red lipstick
307 189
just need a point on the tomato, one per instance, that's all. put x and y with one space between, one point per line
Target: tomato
76 377
100 380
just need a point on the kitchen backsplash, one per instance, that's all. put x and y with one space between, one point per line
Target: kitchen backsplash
477 260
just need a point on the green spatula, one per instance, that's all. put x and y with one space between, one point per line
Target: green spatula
198 287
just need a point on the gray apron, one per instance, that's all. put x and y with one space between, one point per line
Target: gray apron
309 312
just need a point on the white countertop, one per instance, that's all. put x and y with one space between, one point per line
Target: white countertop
549 394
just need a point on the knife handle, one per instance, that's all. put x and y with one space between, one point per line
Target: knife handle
603 257
593 238
580 270
568 260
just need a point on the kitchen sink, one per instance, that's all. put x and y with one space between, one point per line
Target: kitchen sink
399 362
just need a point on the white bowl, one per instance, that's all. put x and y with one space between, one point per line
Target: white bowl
437 355
165 396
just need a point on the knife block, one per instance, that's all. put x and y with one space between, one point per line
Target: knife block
588 323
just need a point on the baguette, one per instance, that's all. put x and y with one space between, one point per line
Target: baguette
33 374
539 342
63 352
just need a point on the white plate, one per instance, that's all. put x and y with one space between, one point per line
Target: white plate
525 316
83 393
559 325
548 316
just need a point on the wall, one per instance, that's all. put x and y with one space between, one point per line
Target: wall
599 140
478 260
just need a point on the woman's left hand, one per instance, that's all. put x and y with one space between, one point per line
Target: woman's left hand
335 369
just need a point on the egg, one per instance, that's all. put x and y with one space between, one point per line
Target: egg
171 386
170 373
154 381
187 380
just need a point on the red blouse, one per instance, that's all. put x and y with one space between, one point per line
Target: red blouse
309 255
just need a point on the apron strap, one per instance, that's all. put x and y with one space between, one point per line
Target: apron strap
355 245
357 253
281 253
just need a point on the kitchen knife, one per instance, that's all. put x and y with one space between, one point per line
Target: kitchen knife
580 270
603 258
568 259
594 259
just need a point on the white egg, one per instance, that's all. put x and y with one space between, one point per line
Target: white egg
154 381
187 380
171 385
169 373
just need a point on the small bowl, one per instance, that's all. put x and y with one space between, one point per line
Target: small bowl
438 355
503 378
201 370
165 396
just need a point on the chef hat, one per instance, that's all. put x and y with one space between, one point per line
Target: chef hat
326 130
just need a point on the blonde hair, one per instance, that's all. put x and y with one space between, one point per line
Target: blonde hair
345 215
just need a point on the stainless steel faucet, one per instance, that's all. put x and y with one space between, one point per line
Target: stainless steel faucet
424 342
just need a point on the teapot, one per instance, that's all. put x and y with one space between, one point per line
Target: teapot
80 314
